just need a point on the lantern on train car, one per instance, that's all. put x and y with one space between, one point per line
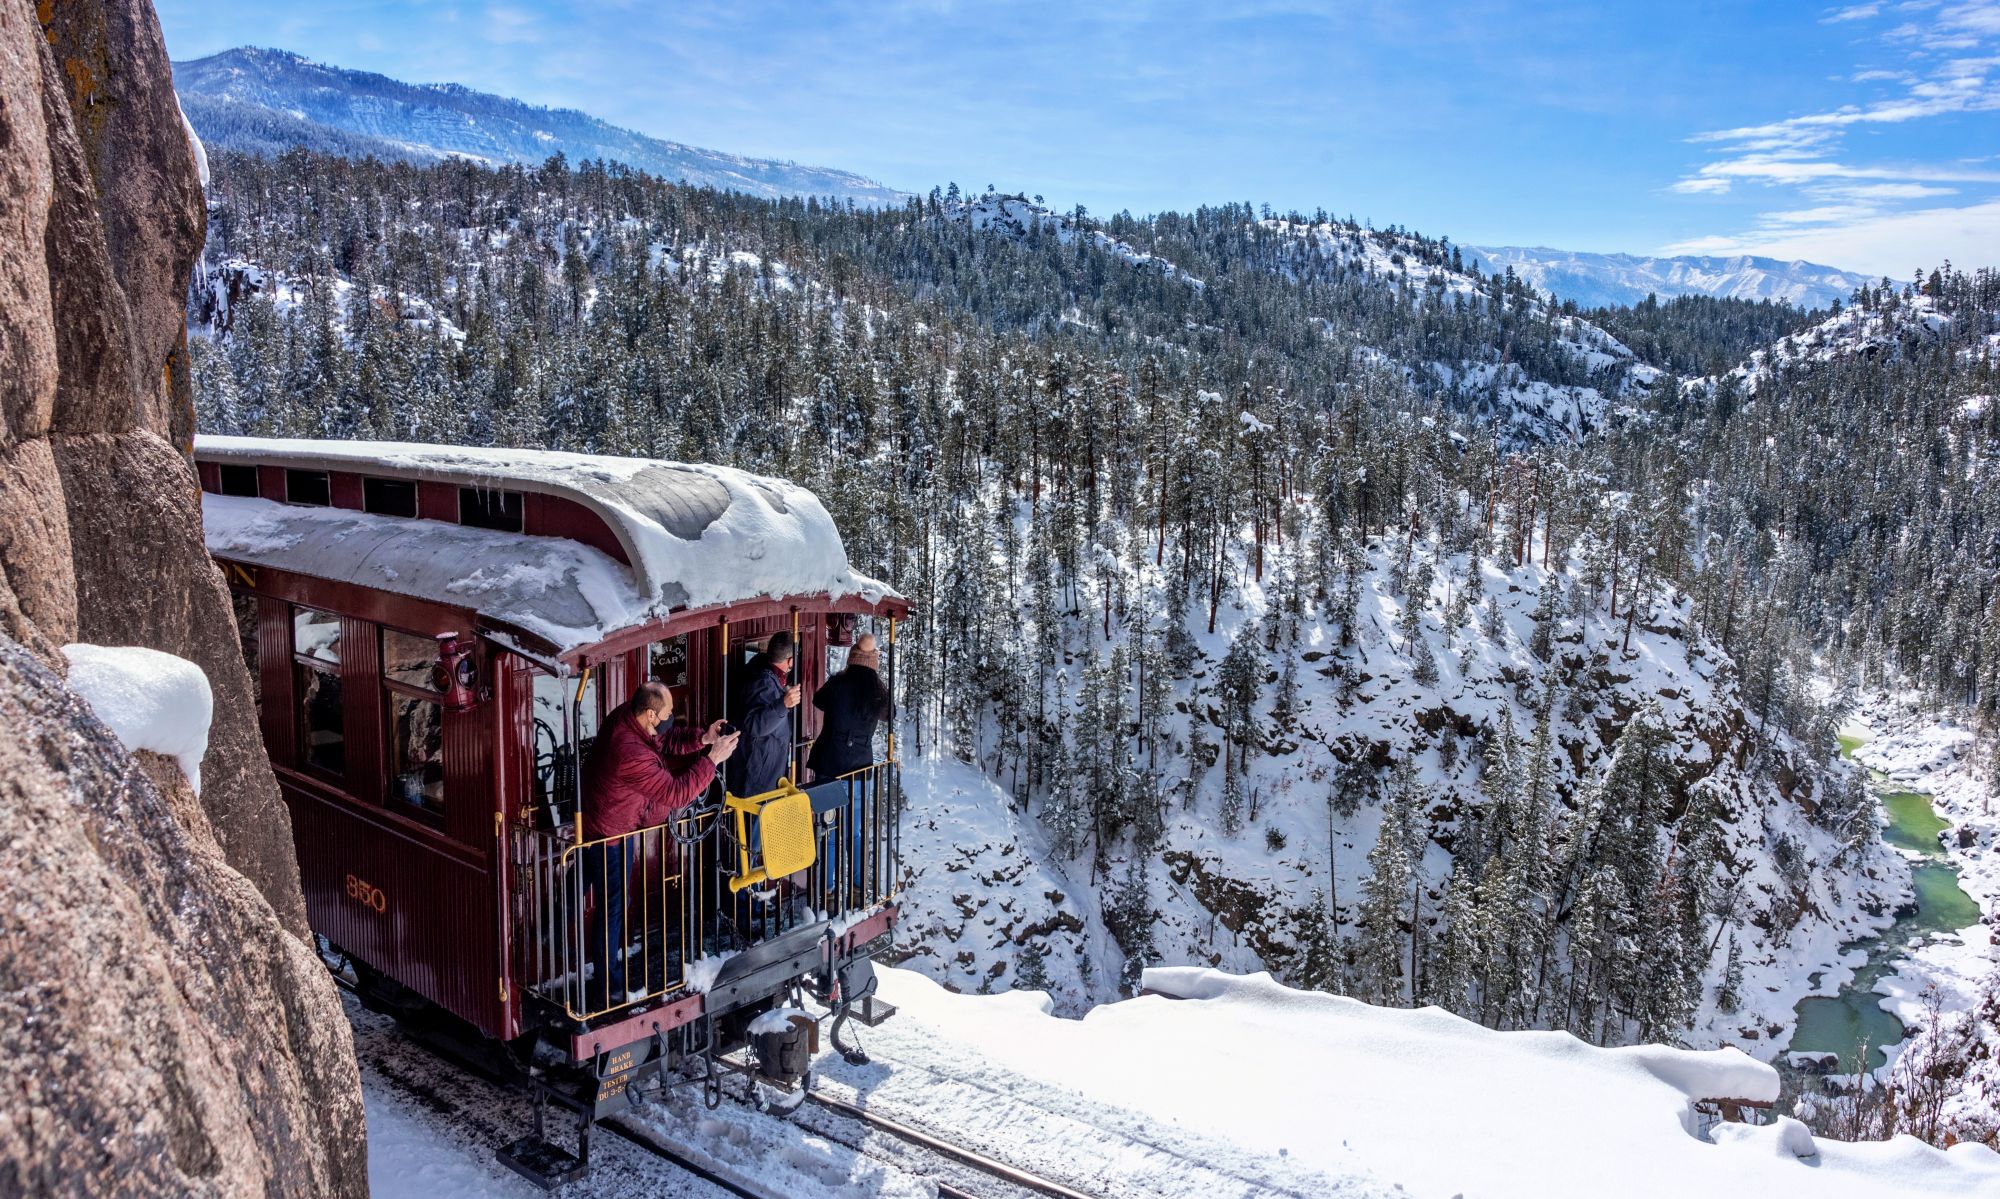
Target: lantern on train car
456 674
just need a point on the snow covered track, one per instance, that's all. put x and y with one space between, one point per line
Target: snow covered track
1055 1133
744 1188
1012 1179
432 1128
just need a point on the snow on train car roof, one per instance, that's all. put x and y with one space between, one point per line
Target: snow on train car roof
696 535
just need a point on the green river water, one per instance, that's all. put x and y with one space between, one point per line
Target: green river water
1847 1022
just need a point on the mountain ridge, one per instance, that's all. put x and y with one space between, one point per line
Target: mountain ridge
1604 279
263 99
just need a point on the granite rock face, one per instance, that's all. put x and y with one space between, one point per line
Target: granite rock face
174 1033
160 1032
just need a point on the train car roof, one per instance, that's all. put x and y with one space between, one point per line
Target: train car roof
693 535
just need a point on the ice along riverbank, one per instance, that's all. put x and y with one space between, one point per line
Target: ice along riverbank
1854 1022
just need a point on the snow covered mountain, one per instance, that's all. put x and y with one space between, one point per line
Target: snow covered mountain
1597 280
261 100
1254 863
1543 377
1887 325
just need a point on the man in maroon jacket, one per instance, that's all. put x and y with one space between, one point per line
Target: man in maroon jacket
640 771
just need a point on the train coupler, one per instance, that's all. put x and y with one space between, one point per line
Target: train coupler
784 1041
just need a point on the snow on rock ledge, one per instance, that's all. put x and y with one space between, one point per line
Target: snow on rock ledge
150 700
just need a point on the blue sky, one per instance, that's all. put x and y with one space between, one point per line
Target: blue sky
1866 136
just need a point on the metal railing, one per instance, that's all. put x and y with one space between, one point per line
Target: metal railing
575 941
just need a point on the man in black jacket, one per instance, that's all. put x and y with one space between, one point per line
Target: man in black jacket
853 703
764 717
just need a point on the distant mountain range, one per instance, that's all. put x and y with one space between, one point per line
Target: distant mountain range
269 100
1597 280
266 101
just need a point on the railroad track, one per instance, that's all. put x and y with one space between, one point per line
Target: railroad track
1013 1177
667 1153
956 1172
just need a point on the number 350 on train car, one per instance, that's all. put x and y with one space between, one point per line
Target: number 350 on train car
368 895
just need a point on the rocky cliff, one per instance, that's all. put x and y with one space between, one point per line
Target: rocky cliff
167 1030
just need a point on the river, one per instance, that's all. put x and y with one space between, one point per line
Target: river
1853 1019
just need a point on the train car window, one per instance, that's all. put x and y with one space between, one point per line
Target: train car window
316 635
316 683
483 509
239 480
409 660
308 487
416 721
389 497
746 651
322 719
552 695
416 736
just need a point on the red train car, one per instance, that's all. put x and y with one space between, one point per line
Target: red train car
437 632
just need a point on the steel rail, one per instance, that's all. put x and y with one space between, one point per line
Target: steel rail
978 1161
676 1158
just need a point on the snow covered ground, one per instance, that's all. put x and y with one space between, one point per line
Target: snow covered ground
980 886
1216 1084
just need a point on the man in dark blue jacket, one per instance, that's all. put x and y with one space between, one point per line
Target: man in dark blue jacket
764 718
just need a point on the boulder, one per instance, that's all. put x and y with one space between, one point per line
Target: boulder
168 1027
100 521
160 1031
1813 1062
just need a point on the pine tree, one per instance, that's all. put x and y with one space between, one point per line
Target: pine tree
1425 670
1318 966
1457 948
1385 901
1128 914
1065 810
1729 994
1231 810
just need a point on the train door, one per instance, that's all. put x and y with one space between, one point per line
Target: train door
808 671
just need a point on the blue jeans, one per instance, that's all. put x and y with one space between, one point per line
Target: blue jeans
606 870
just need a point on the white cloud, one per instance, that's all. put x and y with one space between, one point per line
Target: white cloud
512 26
1825 214
1882 191
1982 18
1701 185
1892 244
1859 199
1775 169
